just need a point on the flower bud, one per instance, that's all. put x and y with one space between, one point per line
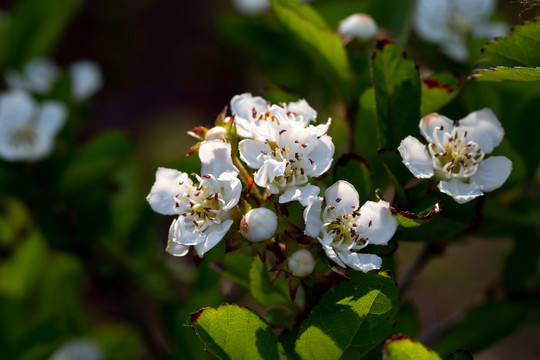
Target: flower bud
216 133
259 225
301 263
361 26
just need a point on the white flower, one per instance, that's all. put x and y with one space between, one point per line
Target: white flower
256 118
361 26
455 154
447 23
301 263
86 79
216 133
259 224
343 230
37 76
78 349
27 129
204 207
289 158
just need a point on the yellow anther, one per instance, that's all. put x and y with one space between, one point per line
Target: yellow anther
454 154
447 146
286 148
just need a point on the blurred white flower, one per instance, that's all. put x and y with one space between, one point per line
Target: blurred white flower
343 230
28 129
289 157
216 133
254 7
37 76
301 263
259 224
455 154
79 349
361 26
203 208
448 22
86 79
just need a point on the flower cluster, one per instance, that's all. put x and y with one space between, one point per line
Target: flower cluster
287 153
28 127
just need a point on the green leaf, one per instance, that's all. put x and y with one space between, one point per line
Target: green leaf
478 331
402 348
325 46
96 161
408 219
233 332
350 320
263 289
397 93
439 90
503 73
516 57
35 27
354 169
520 48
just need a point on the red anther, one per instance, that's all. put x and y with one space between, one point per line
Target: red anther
176 205
297 157
370 223
296 141
357 213
338 199
304 145
195 222
206 176
197 193
311 161
332 207
216 196
181 183
282 131
302 170
465 135
264 152
253 112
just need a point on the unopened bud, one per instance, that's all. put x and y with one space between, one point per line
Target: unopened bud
361 26
216 133
259 225
301 263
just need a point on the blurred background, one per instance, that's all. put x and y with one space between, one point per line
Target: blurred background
81 253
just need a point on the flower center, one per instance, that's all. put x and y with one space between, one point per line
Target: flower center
455 156
344 229
23 136
200 203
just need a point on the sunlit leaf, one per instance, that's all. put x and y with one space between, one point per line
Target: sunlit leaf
350 320
233 332
402 348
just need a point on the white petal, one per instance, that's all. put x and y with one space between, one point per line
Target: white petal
268 172
216 158
484 128
232 189
320 129
243 104
251 7
214 235
460 191
312 216
491 30
306 113
322 155
51 117
332 255
343 196
299 193
430 122
86 79
161 197
383 223
416 157
492 172
173 247
16 109
251 152
361 262
430 19
456 48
